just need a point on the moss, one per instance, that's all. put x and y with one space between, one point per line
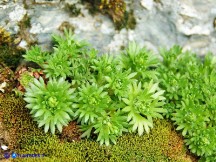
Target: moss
10 56
122 47
5 37
72 9
92 5
162 144
214 23
25 22
25 4
25 25
128 22
116 9
157 1
66 25
17 120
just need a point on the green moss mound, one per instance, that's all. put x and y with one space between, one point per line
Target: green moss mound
19 124
162 144
10 56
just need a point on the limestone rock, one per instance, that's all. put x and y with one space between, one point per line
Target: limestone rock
162 23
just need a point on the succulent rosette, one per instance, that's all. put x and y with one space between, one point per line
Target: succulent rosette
139 60
51 104
92 102
144 103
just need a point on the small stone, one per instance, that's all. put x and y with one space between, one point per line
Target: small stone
4 147
3 85
23 44
148 4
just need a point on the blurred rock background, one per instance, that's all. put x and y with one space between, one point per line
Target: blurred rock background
154 23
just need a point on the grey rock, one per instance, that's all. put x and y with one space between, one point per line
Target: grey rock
188 23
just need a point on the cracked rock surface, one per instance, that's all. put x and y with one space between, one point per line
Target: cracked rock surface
160 23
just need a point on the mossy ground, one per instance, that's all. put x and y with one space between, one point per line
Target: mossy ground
161 145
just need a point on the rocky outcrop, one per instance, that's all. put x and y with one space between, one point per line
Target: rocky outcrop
160 23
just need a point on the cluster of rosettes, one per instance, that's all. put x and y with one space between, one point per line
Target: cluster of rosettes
101 93
190 91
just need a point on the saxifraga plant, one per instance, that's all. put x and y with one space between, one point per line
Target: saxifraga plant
190 116
70 58
25 79
118 82
144 102
108 126
209 158
57 66
36 55
51 104
190 85
69 45
103 66
77 57
202 141
102 83
97 111
92 102
139 60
